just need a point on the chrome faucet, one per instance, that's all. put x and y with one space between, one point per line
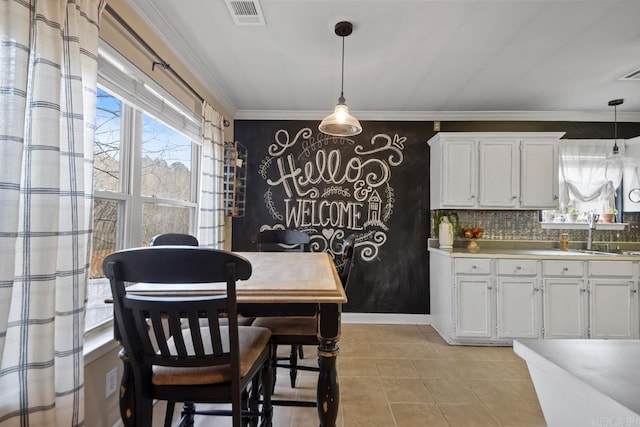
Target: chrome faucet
592 219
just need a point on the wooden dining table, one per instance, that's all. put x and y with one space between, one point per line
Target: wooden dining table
285 283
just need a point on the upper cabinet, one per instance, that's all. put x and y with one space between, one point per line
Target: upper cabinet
503 170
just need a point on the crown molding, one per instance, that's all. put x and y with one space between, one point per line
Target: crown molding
418 116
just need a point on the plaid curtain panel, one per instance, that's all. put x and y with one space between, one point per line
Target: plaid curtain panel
48 71
211 214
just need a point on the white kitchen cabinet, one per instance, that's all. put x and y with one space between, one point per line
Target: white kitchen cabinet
474 299
499 167
613 300
493 300
518 299
458 172
483 170
565 308
539 185
565 303
602 303
496 307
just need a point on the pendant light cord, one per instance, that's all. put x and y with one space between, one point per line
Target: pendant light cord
342 81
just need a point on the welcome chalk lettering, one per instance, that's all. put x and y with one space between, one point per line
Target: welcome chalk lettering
330 187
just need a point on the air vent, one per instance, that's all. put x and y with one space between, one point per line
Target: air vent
245 12
634 75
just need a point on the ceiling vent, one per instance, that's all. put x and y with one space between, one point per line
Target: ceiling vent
245 12
634 75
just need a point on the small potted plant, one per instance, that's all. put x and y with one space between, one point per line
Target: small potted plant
572 214
609 215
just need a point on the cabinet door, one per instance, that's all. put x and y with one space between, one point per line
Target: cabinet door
473 307
519 309
612 309
499 174
539 174
459 171
565 308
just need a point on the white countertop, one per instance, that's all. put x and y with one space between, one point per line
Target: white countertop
495 252
609 367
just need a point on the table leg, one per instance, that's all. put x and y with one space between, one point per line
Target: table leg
127 392
328 397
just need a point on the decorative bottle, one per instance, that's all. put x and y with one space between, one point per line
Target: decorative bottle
564 242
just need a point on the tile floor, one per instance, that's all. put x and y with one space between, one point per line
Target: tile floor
406 375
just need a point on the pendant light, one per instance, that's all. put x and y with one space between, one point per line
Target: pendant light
614 163
341 123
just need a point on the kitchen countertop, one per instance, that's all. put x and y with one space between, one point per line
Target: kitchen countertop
535 251
585 382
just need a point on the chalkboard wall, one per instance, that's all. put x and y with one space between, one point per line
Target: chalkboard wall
375 185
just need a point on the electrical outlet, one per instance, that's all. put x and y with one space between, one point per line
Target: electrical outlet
111 382
436 126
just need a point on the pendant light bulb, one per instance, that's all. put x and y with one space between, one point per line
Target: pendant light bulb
341 123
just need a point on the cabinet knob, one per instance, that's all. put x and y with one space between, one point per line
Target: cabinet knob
473 267
633 291
514 197
583 290
565 268
556 197
489 287
536 289
518 268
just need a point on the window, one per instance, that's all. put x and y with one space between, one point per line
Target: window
588 183
146 170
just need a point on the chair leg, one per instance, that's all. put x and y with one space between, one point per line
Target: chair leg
274 362
267 378
188 414
168 416
300 351
293 362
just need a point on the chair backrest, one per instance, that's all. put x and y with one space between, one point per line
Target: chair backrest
141 321
281 240
174 239
345 260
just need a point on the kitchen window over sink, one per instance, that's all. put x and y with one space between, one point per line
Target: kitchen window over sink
587 181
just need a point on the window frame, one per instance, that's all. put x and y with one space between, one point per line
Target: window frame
129 229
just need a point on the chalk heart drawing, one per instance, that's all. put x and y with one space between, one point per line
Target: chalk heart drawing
330 187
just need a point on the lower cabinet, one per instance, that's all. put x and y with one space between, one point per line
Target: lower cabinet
518 308
494 301
474 299
565 302
496 306
613 300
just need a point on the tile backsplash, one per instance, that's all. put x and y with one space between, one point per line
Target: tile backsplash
525 225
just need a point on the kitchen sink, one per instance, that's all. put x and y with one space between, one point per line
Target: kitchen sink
601 252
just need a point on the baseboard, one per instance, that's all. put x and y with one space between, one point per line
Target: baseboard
387 318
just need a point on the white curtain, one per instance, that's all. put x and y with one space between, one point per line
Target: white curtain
48 71
211 215
584 176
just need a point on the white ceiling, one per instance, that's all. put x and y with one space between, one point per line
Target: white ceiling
420 59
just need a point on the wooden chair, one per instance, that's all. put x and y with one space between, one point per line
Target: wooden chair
204 364
174 239
344 262
284 241
298 331
281 240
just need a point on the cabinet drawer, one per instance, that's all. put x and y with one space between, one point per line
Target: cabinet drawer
473 266
517 267
611 268
563 268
